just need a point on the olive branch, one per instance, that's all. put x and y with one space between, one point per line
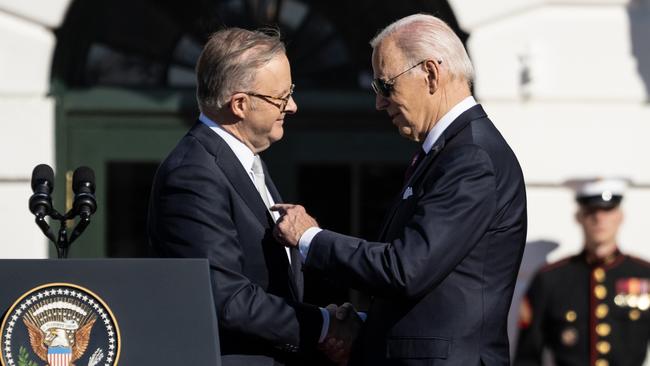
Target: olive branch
23 358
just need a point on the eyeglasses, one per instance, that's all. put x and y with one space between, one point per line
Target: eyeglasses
386 87
284 101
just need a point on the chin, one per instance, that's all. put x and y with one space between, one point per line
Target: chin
408 133
276 134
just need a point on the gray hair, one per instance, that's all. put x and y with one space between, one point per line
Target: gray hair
422 36
229 63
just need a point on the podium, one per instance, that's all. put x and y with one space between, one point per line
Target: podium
130 311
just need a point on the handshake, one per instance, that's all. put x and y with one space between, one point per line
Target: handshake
344 326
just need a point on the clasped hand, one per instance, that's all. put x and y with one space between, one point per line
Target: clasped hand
344 328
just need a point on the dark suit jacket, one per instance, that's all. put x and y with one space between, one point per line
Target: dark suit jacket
444 269
204 205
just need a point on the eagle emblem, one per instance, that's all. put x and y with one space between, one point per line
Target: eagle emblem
56 324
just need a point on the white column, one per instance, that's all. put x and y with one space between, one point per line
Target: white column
27 115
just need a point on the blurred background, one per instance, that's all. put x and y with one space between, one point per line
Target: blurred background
110 84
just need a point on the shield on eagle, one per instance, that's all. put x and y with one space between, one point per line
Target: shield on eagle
59 356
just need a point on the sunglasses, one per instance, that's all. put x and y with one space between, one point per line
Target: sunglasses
385 87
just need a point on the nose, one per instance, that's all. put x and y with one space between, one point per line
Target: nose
381 102
291 107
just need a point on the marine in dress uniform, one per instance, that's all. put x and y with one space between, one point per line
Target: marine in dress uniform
591 308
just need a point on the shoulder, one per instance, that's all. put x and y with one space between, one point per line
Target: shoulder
559 268
464 153
189 160
641 265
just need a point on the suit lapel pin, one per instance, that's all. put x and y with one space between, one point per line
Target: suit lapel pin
408 192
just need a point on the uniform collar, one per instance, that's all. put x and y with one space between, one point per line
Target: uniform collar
609 261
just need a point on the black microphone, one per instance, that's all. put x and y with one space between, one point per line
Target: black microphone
83 186
40 203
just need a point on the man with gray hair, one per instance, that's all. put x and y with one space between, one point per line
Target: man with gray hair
211 199
443 271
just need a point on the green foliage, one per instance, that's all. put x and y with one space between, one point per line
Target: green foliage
23 358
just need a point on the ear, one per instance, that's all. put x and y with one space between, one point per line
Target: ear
433 75
578 216
239 105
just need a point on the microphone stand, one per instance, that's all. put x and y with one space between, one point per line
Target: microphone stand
62 242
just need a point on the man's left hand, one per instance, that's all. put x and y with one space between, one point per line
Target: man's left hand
293 222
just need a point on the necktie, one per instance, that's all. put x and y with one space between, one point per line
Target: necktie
260 184
414 164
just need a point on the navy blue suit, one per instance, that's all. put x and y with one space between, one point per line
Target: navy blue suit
443 271
204 205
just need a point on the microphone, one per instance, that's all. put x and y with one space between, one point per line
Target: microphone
40 203
83 186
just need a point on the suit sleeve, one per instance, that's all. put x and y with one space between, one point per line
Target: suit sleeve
453 212
530 343
193 211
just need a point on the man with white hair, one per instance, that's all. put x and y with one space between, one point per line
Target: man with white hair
443 271
591 308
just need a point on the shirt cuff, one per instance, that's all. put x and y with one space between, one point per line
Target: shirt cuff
305 241
326 324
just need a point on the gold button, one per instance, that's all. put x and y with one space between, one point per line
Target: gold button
600 291
571 316
635 314
603 329
602 362
601 311
599 274
603 347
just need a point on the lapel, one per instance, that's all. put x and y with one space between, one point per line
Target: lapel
227 161
454 128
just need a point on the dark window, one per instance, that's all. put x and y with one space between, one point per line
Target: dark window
128 186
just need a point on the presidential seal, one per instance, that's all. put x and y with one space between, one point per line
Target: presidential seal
59 324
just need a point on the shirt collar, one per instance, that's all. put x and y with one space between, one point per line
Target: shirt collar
445 121
242 152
